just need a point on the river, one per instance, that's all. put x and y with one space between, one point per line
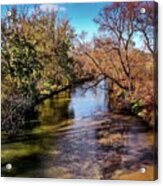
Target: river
75 136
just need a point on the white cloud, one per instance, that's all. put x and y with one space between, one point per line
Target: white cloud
52 7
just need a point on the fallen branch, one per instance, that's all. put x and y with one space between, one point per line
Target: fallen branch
56 92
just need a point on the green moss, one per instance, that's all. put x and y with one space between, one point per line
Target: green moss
18 150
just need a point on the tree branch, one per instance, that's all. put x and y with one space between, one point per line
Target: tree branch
106 75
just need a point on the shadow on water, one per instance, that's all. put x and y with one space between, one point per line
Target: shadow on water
77 137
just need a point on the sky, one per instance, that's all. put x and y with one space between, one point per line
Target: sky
81 15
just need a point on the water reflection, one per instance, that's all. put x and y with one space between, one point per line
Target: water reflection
78 138
87 102
53 111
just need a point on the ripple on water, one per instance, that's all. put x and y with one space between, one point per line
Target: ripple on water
77 138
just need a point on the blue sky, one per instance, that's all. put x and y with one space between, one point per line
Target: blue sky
81 15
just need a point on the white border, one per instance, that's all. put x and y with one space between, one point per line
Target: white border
60 182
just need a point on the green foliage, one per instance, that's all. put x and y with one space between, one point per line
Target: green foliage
34 53
137 106
21 63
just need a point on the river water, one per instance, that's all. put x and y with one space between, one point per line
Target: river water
75 136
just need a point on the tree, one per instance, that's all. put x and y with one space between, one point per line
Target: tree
35 49
121 24
115 55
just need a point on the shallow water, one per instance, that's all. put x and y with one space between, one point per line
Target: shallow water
75 136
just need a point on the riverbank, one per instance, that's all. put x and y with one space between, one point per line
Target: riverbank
136 175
